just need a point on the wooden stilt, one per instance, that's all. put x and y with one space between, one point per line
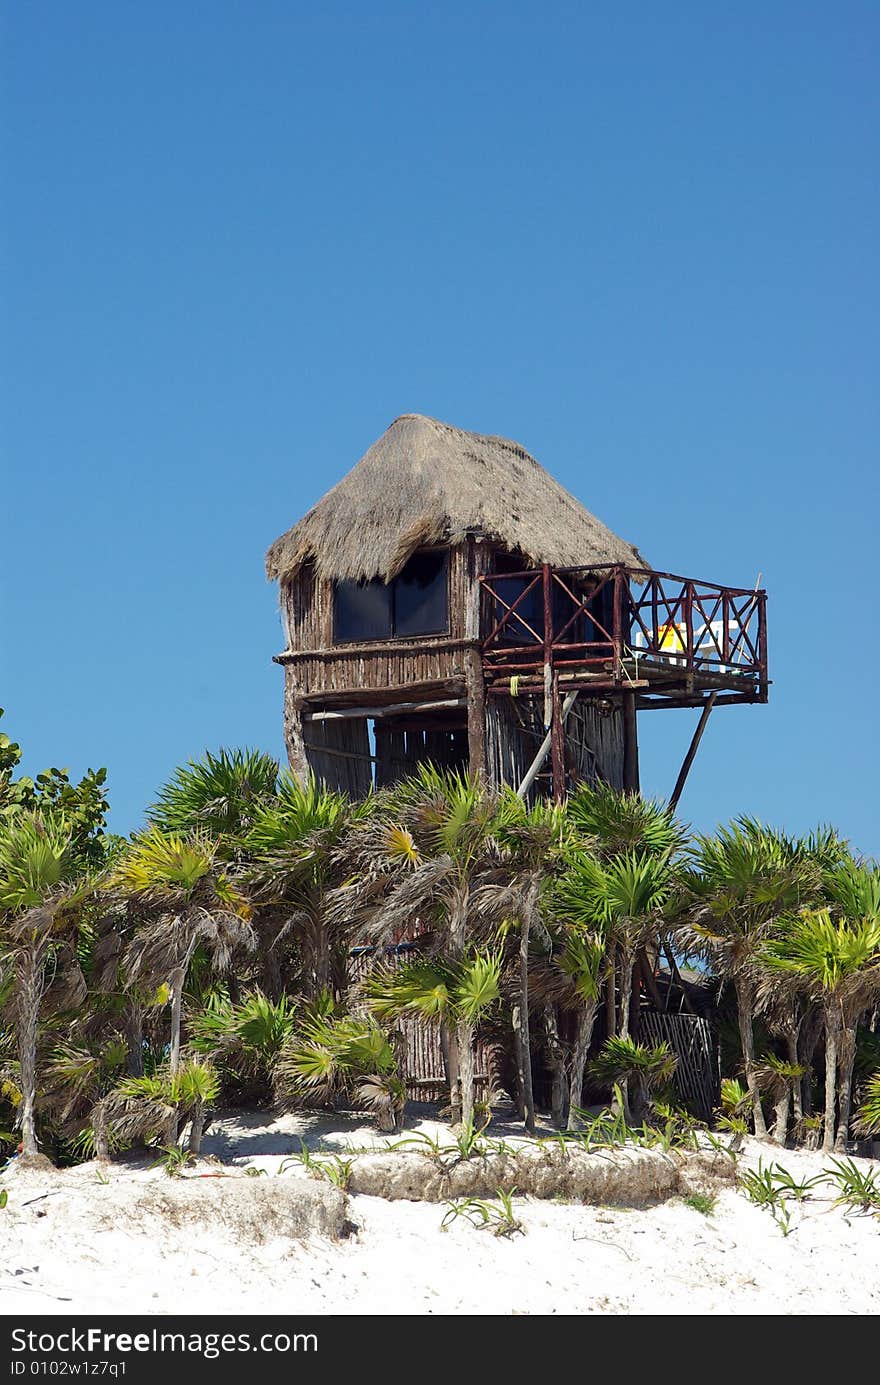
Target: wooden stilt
543 751
557 744
293 730
692 750
476 712
630 744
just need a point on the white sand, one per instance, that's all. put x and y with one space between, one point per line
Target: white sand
66 1253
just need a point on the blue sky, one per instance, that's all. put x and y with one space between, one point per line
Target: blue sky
239 239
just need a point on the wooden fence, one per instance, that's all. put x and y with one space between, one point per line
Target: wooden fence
420 1038
697 1078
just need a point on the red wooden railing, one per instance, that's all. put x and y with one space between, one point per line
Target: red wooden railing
613 618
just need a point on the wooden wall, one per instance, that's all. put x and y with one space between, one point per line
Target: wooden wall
595 743
316 665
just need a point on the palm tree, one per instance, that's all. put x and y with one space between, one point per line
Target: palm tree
43 891
569 978
741 881
152 1106
530 842
839 961
608 826
419 859
219 794
634 1065
622 898
297 859
183 899
330 1054
460 992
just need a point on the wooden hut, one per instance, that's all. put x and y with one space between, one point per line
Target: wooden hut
449 601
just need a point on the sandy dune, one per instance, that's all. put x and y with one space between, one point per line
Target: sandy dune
75 1242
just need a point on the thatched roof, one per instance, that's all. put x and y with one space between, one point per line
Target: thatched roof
426 482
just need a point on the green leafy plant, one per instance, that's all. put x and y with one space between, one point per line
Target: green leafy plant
856 1189
704 1203
173 1159
498 1217
148 1107
331 1056
790 1186
868 1116
645 1069
336 1170
762 1186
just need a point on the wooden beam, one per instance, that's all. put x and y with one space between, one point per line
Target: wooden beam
344 754
692 750
426 644
390 710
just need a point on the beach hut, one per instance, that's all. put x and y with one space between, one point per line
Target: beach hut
449 601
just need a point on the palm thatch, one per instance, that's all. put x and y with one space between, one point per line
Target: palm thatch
425 482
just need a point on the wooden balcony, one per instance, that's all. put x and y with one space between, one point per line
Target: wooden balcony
672 641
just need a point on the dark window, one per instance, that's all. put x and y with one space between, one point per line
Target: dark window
421 596
415 603
362 611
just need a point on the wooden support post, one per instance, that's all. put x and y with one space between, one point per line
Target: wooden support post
692 750
557 744
476 712
293 730
543 751
630 744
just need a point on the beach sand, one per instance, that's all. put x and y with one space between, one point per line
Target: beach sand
95 1239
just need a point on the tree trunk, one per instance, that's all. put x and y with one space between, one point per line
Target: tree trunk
626 981
639 1102
30 988
196 1128
322 959
99 1125
134 1037
556 1061
846 1057
791 1041
610 994
465 1038
449 1049
463 1100
747 1039
780 1112
518 1095
531 904
177 981
583 1036
811 1028
832 1025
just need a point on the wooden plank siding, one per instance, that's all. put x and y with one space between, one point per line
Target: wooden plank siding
318 668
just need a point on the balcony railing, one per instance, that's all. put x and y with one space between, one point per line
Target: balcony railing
617 624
